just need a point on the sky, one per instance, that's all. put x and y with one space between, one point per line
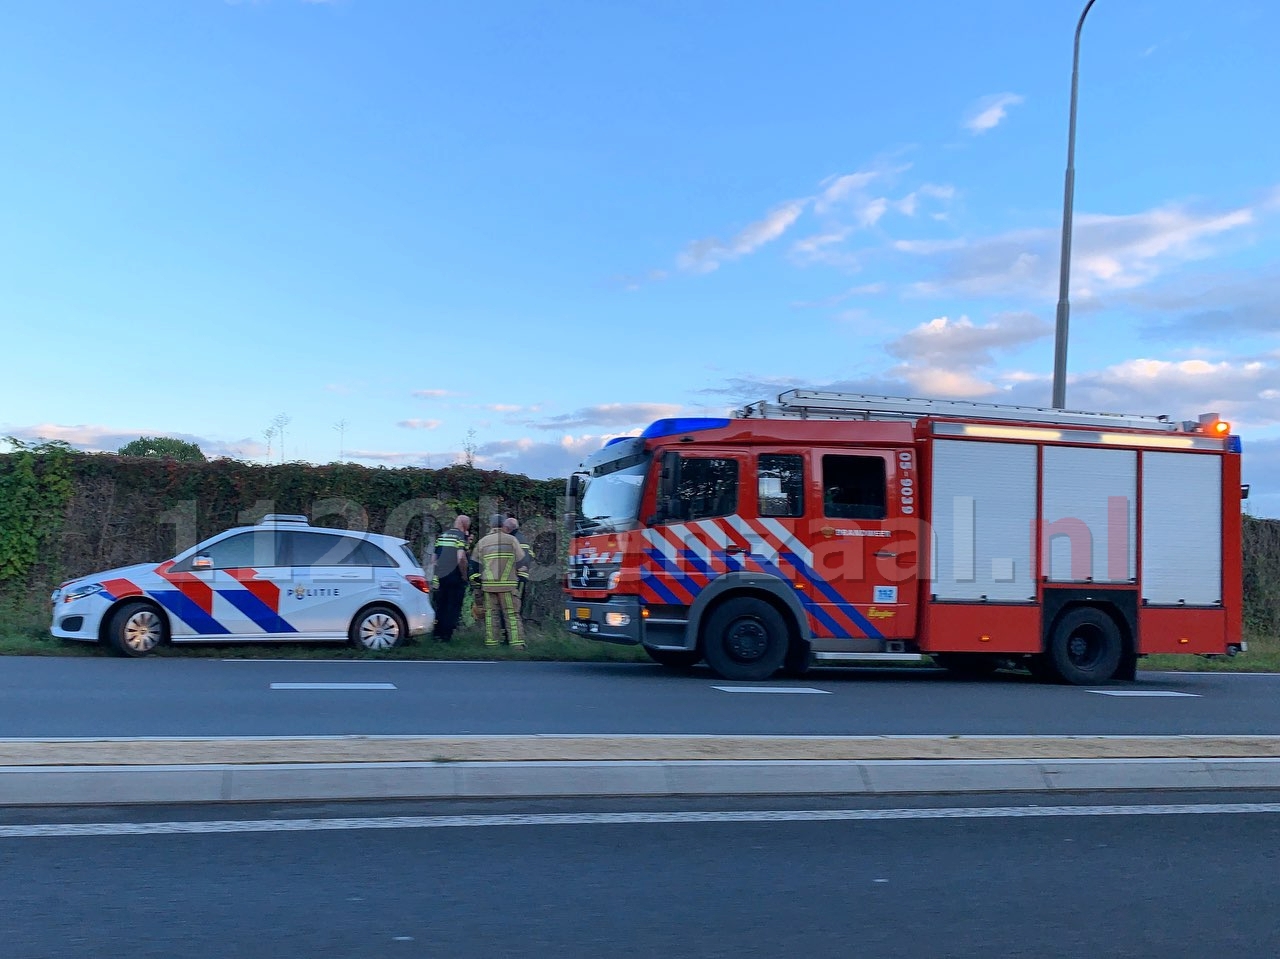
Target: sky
402 230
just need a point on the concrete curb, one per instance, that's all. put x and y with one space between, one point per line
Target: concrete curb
240 751
290 782
275 769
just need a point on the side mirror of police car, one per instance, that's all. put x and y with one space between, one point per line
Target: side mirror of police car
203 561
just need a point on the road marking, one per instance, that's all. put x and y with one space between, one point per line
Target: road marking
1207 672
372 662
1141 693
333 685
773 689
77 830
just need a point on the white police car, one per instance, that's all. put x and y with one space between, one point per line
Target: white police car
280 580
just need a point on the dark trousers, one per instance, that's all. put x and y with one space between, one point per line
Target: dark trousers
448 602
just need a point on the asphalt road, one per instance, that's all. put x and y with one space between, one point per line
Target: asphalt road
57 697
992 882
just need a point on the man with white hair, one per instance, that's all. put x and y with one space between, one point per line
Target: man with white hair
500 555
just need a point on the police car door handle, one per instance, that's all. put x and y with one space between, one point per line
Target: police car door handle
734 549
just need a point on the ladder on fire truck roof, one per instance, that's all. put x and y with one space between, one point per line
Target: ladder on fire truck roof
825 405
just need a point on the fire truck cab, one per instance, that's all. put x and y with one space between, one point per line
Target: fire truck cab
835 527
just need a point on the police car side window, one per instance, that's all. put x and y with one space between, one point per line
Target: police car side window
243 551
366 554
320 549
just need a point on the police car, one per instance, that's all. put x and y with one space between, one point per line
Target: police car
280 580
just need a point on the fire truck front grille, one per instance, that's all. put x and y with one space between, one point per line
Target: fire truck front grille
586 576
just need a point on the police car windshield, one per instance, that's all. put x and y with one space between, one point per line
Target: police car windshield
610 495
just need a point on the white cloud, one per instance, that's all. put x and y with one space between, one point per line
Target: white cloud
841 203
541 459
1211 304
703 256
106 439
609 414
870 212
433 394
420 424
987 113
1110 252
825 248
954 358
836 189
1239 388
961 342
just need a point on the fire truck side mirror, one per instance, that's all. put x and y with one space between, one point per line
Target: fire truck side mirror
1244 491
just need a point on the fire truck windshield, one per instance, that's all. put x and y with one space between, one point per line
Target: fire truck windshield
609 498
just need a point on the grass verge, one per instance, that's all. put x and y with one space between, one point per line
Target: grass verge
1263 657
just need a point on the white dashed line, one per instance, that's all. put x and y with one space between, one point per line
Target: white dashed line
1141 693
333 685
773 689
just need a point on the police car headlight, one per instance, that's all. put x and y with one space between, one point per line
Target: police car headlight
80 592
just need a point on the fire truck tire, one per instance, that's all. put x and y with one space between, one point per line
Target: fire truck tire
675 658
745 639
1086 646
969 665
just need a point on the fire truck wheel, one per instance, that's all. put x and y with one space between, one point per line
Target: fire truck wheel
1086 646
745 639
674 658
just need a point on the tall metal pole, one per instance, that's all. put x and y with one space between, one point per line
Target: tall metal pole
1064 269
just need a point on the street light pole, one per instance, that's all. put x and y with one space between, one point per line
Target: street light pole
1064 269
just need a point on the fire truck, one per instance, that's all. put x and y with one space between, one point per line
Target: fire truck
832 527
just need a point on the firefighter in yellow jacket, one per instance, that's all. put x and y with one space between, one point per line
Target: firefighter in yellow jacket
500 557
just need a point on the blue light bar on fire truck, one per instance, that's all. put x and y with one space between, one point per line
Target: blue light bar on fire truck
683 424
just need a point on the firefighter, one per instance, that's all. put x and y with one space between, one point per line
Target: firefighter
512 526
449 581
499 555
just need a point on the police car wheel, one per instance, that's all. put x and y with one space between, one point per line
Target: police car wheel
377 628
136 629
745 639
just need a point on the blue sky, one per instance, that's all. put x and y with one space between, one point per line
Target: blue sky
550 223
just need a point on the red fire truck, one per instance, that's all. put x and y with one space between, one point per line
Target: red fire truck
836 527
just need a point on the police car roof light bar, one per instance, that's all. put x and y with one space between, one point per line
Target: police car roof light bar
275 518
